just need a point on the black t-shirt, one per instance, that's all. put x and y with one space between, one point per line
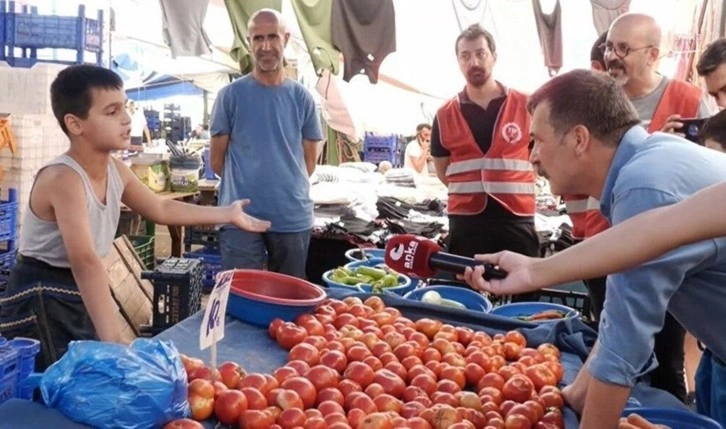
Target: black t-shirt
481 122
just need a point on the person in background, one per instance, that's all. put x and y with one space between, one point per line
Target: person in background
599 149
139 127
266 151
713 133
418 150
712 67
584 211
631 52
480 147
597 54
204 132
384 167
59 289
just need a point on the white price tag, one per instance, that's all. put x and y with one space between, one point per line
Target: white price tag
212 329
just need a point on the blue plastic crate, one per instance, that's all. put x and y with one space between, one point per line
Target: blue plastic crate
211 264
376 156
27 349
9 216
31 31
375 141
8 373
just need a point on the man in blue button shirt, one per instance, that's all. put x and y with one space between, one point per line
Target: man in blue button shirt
587 141
265 132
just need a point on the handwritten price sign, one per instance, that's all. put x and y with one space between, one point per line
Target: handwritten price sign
212 329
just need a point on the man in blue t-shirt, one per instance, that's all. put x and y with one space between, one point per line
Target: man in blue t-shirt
265 133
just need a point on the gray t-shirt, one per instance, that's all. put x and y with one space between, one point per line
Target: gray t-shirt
645 105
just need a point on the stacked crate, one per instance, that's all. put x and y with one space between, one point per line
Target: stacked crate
176 127
378 148
23 32
8 235
39 139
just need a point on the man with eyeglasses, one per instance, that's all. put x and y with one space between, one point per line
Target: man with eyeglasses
480 145
712 67
631 52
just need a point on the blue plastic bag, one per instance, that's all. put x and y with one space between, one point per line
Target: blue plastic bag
113 386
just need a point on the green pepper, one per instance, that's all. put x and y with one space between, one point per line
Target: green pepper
389 280
375 273
350 281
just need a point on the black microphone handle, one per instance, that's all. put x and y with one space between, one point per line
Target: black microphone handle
457 264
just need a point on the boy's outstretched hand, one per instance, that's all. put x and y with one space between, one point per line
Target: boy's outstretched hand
244 221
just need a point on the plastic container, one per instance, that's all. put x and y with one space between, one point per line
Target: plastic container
151 171
355 254
404 282
674 418
519 309
184 172
211 260
380 262
470 299
27 349
258 297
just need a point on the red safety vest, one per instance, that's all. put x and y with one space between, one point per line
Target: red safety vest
680 98
503 173
585 214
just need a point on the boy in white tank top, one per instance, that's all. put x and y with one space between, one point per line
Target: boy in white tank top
59 289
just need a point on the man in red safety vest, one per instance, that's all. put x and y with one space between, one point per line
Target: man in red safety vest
480 146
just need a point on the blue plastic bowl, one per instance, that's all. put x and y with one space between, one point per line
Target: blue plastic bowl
517 309
470 299
674 418
404 282
258 297
380 262
355 254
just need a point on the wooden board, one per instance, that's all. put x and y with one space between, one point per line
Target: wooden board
132 294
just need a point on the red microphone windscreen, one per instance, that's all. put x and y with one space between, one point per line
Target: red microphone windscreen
410 255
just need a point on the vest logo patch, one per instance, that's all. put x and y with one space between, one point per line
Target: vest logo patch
511 132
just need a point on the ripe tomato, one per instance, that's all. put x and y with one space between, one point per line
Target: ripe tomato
183 424
517 421
303 387
552 400
229 405
519 388
491 380
515 337
305 352
289 334
256 419
541 376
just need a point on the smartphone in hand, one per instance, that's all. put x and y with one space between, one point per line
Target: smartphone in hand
691 128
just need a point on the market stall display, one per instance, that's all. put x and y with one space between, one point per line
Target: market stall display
256 352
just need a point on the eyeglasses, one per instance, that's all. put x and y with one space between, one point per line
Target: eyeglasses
621 50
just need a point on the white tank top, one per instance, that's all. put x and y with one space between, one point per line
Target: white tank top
42 240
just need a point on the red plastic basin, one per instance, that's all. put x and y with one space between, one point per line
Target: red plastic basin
275 288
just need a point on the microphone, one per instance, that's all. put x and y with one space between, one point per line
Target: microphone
420 257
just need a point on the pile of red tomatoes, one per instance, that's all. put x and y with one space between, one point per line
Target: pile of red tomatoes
357 364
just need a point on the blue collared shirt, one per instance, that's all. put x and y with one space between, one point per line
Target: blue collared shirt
650 171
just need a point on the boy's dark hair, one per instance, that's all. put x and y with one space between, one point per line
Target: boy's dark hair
712 57
420 127
474 32
715 129
205 127
588 98
70 92
597 53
